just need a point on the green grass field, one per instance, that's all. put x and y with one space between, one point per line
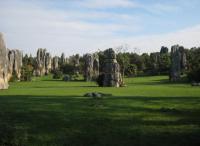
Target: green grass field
150 111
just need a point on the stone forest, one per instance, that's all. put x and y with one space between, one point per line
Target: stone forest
102 67
104 98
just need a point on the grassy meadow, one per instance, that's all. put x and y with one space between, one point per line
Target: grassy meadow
150 111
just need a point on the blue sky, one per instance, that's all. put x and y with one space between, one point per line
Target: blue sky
80 26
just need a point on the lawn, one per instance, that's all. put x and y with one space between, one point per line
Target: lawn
150 111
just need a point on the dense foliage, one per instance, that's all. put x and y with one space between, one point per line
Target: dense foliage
194 65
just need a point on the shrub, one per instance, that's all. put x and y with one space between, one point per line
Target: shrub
57 74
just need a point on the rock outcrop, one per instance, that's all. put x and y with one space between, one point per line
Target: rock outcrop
111 76
3 64
178 62
40 62
95 66
55 63
11 60
17 63
91 67
88 67
47 63
62 59
43 63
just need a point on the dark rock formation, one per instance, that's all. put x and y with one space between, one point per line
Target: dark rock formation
62 59
155 58
178 62
111 76
163 50
11 60
3 64
47 63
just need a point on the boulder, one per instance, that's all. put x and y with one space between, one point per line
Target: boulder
3 64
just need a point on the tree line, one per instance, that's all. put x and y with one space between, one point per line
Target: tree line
132 64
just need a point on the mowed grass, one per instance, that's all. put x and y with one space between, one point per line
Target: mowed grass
150 111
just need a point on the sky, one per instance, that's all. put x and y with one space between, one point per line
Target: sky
86 26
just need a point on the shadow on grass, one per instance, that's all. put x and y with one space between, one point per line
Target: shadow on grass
162 82
81 121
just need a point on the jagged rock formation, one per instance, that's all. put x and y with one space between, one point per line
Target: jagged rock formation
163 50
155 58
62 59
74 60
17 63
111 76
95 66
55 63
88 67
11 60
43 63
3 64
178 62
40 62
47 63
91 67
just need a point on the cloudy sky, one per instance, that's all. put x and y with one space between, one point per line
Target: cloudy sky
79 26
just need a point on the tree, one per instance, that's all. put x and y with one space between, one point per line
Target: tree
194 65
123 58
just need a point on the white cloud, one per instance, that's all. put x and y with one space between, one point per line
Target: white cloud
108 3
29 26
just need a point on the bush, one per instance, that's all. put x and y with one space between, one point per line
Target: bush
57 74
26 73
14 77
67 78
131 70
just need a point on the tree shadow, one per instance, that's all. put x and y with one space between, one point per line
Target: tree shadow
81 121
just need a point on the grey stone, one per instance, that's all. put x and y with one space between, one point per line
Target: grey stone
62 59
95 66
11 60
96 95
3 64
178 62
40 62
55 63
111 70
91 67
88 67
18 63
47 63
